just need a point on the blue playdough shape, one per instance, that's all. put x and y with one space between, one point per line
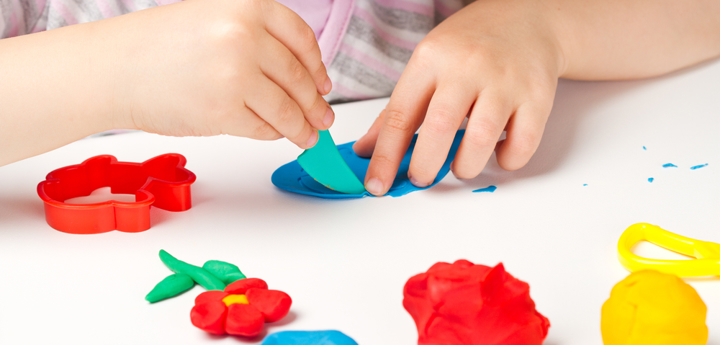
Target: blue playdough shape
486 189
669 165
698 166
308 338
292 178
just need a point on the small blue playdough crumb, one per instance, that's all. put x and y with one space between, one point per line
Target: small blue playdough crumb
644 148
584 184
486 189
669 165
651 179
308 338
698 166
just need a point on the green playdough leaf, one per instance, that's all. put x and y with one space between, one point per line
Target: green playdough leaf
199 275
324 163
226 271
171 286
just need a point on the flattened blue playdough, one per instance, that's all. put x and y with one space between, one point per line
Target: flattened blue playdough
325 164
486 189
698 166
308 338
292 178
669 165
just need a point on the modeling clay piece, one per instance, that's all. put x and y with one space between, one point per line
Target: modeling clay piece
324 163
467 304
706 254
199 275
489 189
293 178
698 166
242 309
308 338
651 179
162 182
227 272
669 165
649 307
171 286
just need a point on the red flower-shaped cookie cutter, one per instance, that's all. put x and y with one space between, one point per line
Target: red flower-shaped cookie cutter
162 182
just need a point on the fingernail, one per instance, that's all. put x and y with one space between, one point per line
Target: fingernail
328 85
313 139
329 116
416 183
374 186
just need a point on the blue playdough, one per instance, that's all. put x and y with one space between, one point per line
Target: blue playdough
486 189
651 179
698 166
292 178
308 338
669 165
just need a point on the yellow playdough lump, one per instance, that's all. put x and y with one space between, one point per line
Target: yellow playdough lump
653 308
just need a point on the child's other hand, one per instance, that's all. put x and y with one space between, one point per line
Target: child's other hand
249 68
496 60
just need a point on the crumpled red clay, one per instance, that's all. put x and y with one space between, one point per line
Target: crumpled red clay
467 304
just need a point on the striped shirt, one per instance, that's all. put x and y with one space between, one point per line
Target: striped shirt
366 44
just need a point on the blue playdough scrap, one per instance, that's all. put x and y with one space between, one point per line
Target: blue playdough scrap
308 338
651 179
698 166
669 165
486 189
292 178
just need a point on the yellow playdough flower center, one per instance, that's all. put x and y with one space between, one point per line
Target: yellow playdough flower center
234 299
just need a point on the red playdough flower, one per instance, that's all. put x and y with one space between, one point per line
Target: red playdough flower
242 309
467 304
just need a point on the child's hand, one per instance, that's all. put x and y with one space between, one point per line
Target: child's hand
248 68
497 61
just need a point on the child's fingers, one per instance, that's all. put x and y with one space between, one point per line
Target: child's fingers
403 116
524 132
247 124
485 125
365 146
282 67
447 110
288 28
273 105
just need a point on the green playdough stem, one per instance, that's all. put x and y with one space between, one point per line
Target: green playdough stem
324 163
226 271
199 275
171 286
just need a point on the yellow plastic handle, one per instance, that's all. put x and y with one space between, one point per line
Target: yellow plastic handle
706 254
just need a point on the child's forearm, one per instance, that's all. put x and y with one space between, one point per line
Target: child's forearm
52 90
624 39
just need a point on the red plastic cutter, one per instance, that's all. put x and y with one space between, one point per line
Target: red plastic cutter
162 182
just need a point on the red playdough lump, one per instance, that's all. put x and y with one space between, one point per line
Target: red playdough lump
467 304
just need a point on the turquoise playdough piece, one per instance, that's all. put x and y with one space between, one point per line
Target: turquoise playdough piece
309 338
293 178
324 164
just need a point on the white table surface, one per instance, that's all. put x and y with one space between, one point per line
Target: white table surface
345 262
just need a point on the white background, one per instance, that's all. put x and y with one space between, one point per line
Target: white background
345 262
